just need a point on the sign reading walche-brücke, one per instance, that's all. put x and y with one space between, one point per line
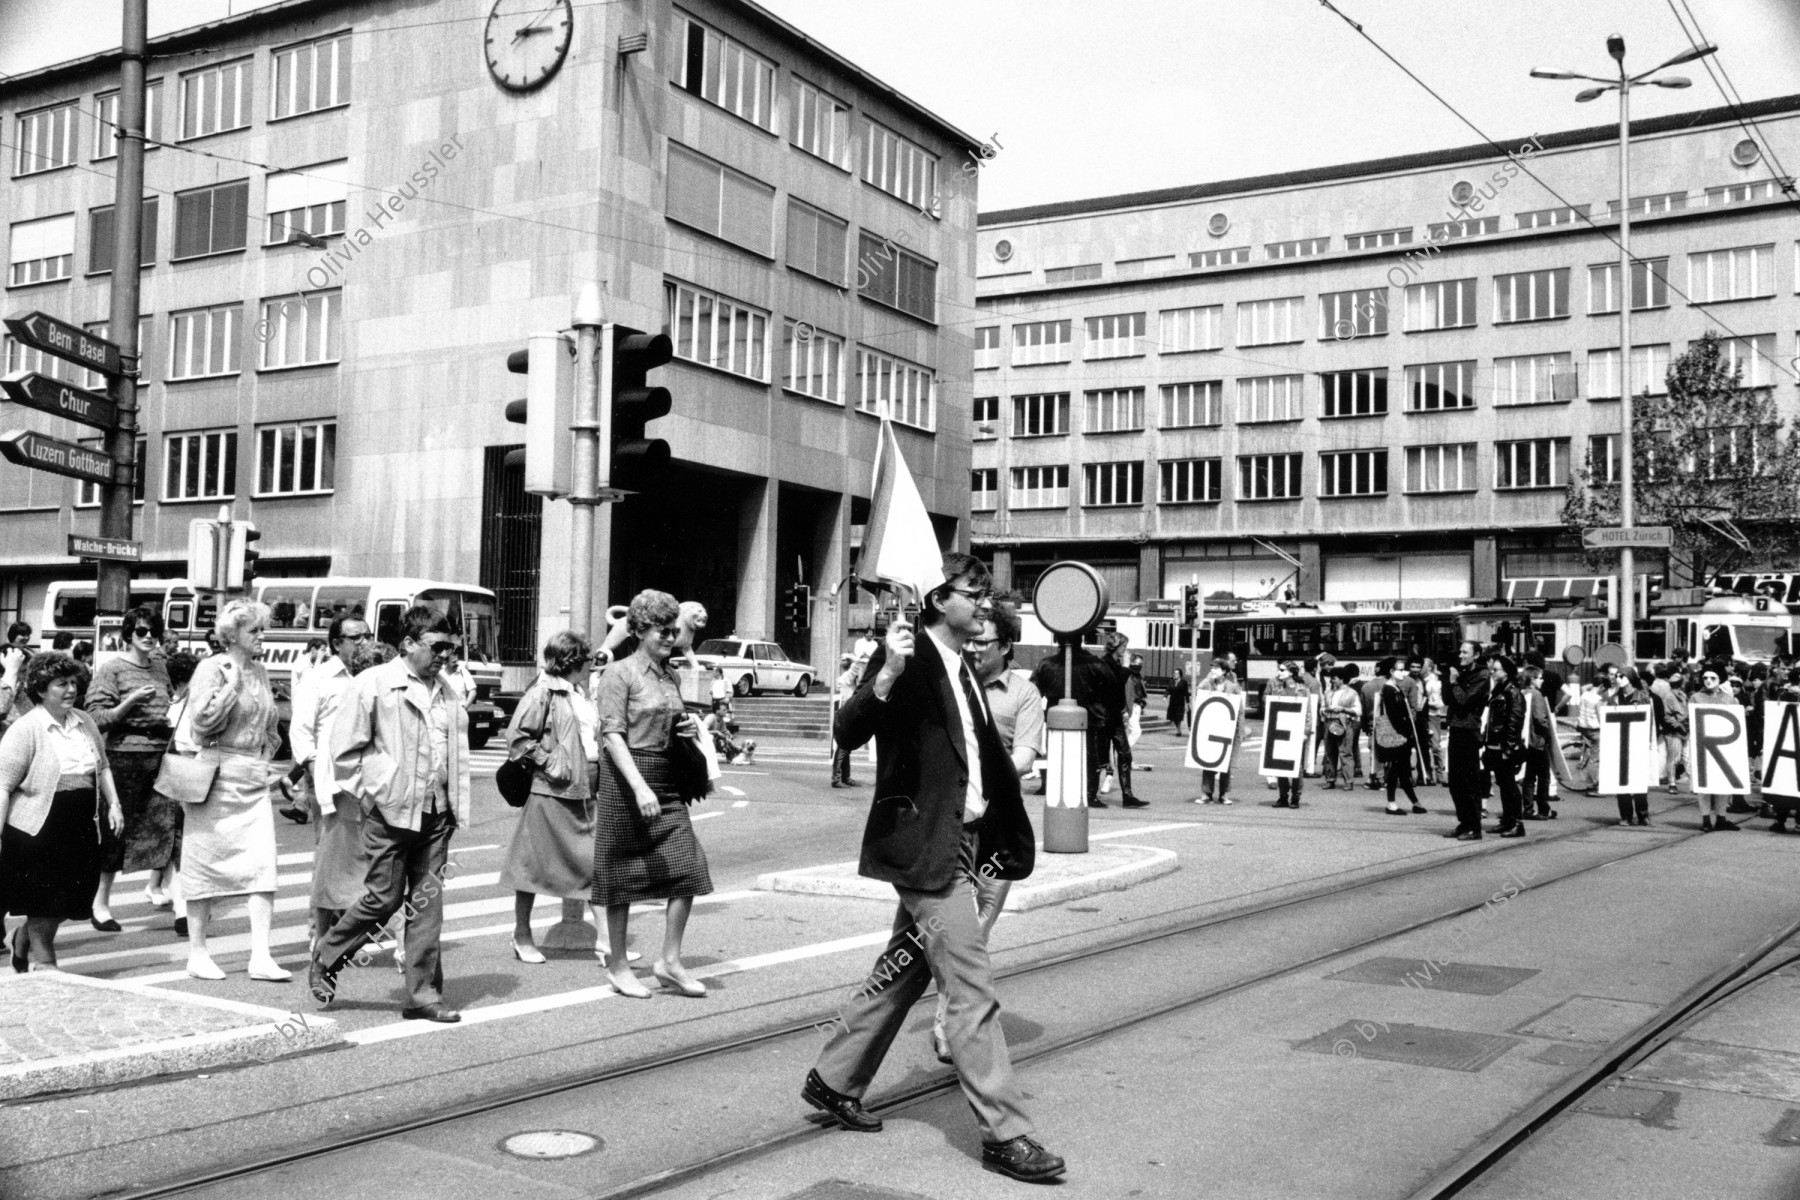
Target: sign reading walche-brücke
49 454
59 399
83 545
46 333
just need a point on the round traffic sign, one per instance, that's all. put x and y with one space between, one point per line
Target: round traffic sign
1069 598
1574 655
1611 654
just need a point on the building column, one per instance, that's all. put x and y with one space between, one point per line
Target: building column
1484 569
756 559
831 556
1150 581
1001 567
1311 587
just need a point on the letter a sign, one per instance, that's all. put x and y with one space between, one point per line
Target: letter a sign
1213 734
1627 750
1781 748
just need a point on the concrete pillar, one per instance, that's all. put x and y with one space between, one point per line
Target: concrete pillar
1001 567
756 559
831 562
1484 569
1311 585
1150 584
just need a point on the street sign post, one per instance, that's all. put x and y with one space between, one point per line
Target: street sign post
51 454
46 333
59 399
1653 537
82 545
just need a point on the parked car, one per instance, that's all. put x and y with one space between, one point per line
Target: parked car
751 666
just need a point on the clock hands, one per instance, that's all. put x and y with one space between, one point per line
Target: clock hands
534 27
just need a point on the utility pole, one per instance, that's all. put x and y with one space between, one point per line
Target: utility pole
590 559
114 583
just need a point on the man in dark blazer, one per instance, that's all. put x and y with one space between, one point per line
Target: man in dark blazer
946 811
1465 699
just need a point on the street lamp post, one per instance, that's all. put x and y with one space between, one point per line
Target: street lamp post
1615 46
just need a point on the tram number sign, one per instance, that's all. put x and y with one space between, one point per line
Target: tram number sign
62 458
46 333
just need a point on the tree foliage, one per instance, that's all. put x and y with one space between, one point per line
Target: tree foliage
1709 457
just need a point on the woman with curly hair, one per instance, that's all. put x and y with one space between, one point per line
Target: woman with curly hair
56 795
644 844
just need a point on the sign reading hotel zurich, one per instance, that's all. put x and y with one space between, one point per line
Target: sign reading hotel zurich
59 399
46 333
83 545
49 454
1649 537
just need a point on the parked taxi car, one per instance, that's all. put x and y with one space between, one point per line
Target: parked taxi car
751 666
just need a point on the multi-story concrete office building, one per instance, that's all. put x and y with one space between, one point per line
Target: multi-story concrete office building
359 207
1367 381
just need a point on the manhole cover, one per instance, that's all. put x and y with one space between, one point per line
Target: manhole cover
1589 1019
843 1189
1419 1045
1648 1105
550 1143
1566 1054
1475 979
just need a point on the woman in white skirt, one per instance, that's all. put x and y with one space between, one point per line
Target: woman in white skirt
228 841
556 729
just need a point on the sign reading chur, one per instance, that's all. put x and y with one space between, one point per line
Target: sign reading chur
83 545
59 399
1649 537
64 340
49 454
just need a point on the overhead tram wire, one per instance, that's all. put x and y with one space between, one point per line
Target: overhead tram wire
1734 100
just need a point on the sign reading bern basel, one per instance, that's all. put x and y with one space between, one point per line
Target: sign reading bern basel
71 342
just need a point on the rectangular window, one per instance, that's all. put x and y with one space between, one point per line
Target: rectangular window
821 124
889 387
1531 296
1271 322
1043 415
816 242
1729 452
296 460
1040 487
311 76
812 362
204 341
715 332
1647 206
311 200
1737 274
87 495
1355 393
1354 314
45 139
1183 329
1118 336
94 381
984 489
1449 304
302 330
215 99
1744 193
1115 410
1269 398
1444 385
1137 268
1649 285
985 418
1442 231
1193 405
897 277
20 357
1534 379
200 466
724 72
1753 355
1603 457
101 232
1042 342
900 167
1353 473
1269 477
1445 468
987 347
1112 484
1544 218
1298 248
1190 481
1535 463
715 199
1076 274
1378 239
212 220
1649 372
106 120
42 251
1207 259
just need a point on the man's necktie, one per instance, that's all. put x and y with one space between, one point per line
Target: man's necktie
977 709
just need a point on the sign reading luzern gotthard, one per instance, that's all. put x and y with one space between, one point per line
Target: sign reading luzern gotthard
64 340
49 454
59 399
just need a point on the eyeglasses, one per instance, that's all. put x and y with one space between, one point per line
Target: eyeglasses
982 643
356 637
142 631
441 649
1709 679
667 631
977 597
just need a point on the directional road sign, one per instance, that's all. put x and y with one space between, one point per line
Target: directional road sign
64 458
83 545
59 399
68 341
1652 537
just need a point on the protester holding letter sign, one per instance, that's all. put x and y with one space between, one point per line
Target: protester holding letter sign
1781 756
1289 683
1627 745
1214 734
1712 696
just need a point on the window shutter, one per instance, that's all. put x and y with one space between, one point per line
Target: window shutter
693 189
193 223
147 233
100 240
231 211
802 237
749 213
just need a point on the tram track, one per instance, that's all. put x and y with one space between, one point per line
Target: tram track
889 1100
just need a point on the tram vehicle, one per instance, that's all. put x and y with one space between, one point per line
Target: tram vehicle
1781 588
1747 626
303 609
1152 628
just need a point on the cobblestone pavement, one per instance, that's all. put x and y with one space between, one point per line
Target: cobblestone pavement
46 1016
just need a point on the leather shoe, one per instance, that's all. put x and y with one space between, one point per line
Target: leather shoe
1098 803
1515 831
845 1110
1134 802
1469 835
1022 1159
321 982
431 1012
107 926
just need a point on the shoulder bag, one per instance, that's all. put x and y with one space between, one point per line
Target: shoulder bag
513 777
186 778
1386 736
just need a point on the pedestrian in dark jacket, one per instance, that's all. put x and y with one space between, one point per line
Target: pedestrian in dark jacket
1505 742
1465 700
1178 700
1625 687
1396 733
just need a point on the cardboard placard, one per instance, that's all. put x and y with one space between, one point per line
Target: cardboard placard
1629 755
1718 750
1781 748
1212 735
1287 720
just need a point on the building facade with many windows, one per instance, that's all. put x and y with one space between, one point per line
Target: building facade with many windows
351 218
1367 382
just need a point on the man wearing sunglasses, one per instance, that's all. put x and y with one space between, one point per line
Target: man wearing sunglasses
400 750
339 863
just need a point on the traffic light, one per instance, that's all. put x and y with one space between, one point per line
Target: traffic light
240 559
206 541
799 606
627 356
1190 604
547 412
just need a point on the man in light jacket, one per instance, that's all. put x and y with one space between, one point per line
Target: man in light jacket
400 749
339 861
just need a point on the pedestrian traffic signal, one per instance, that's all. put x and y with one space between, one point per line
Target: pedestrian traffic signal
240 558
799 606
1190 605
206 540
547 412
627 356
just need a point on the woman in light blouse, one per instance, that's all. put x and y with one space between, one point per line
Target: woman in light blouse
55 789
129 701
644 844
228 844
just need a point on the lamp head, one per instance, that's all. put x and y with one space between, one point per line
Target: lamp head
1541 73
1674 81
1615 46
1688 56
1586 94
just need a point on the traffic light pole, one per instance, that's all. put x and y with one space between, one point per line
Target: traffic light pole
590 559
114 581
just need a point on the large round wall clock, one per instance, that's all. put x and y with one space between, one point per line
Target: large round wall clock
526 41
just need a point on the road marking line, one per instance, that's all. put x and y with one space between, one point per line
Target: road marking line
737 803
704 815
